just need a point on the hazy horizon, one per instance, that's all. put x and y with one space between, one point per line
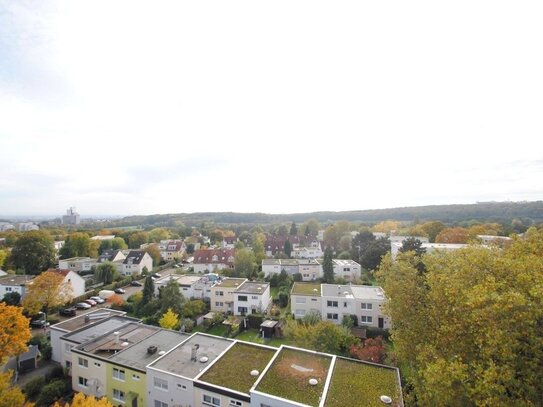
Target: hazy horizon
283 107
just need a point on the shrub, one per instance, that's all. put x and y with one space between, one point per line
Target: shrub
56 373
43 345
283 298
33 387
254 320
372 332
51 392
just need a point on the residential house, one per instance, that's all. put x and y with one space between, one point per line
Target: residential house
13 283
347 269
116 257
171 250
252 297
229 242
222 294
337 301
310 269
84 325
77 264
212 260
74 280
135 262
114 364
195 286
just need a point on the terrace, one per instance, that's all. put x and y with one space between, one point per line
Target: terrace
243 358
291 372
359 383
306 289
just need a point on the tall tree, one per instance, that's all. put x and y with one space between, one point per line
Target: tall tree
370 258
412 244
288 248
11 395
3 255
328 267
148 290
33 252
258 247
117 243
475 319
158 234
136 239
170 297
244 263
46 291
432 229
14 331
154 252
293 229
76 245
106 273
311 227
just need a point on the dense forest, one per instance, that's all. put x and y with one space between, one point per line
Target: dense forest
484 212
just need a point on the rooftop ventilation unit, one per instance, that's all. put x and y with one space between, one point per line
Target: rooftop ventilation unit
194 352
151 350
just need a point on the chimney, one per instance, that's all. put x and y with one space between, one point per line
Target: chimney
194 351
117 335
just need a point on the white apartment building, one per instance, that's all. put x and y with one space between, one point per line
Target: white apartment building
346 269
251 298
77 264
222 294
12 283
190 285
310 269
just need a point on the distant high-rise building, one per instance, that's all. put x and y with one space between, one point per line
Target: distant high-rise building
71 217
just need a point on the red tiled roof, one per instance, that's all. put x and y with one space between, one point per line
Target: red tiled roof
205 256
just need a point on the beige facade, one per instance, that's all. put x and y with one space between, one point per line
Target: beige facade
222 294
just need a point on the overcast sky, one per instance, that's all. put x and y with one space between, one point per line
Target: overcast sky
126 107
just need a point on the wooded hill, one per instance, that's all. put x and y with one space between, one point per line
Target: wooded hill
483 211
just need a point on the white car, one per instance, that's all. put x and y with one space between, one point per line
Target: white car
82 305
99 300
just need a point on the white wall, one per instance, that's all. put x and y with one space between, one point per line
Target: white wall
175 394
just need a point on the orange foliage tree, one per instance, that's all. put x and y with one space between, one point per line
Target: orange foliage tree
372 350
46 291
81 400
453 235
14 331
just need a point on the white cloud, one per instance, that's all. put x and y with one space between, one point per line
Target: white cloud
275 107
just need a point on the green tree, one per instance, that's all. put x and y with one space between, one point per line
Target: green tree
293 229
106 273
474 319
76 245
169 296
136 239
328 267
154 252
323 336
412 244
158 234
432 229
33 252
288 248
12 298
3 255
258 248
148 290
244 263
193 308
311 227
117 243
370 257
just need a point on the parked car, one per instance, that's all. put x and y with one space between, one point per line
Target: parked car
97 299
156 275
92 303
68 312
119 291
39 323
136 284
82 305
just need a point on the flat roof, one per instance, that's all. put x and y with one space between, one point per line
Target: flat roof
97 329
307 289
271 262
362 292
245 357
77 259
13 279
360 383
230 282
252 287
289 374
138 356
81 321
116 340
178 361
342 262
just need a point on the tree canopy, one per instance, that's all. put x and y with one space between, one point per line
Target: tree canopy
328 267
46 291
33 252
14 331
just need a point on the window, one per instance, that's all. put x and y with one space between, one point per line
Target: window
300 300
219 293
300 312
160 383
346 269
345 304
219 303
97 364
8 288
242 310
366 319
313 299
160 404
332 316
118 374
235 403
366 306
135 377
83 362
242 298
82 381
211 401
332 303
181 386
118 395
254 297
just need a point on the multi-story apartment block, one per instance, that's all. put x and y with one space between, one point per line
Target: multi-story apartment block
337 301
251 298
190 285
309 269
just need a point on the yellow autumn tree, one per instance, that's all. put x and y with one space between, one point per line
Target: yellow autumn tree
169 320
11 396
14 331
386 226
81 400
46 291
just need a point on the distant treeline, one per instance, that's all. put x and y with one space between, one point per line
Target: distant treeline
484 212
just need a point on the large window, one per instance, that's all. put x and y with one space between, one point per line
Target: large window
242 310
332 303
332 316
83 381
211 401
160 404
160 383
300 300
365 305
83 362
366 319
242 298
118 395
118 374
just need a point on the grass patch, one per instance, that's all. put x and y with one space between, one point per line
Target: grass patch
217 330
245 358
306 289
289 376
252 335
274 292
354 383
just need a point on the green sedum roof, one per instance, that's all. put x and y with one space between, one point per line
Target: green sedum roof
307 289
